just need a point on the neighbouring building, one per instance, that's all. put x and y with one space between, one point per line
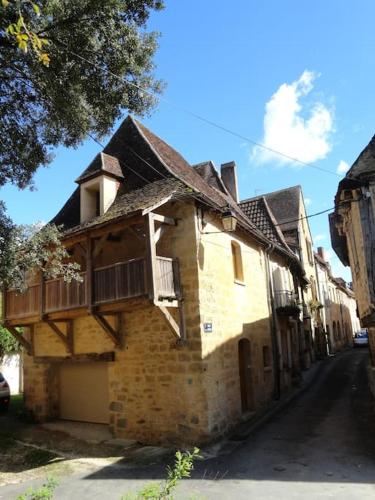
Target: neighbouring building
287 284
339 308
353 237
288 209
187 318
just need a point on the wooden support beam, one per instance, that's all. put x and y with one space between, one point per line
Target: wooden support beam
98 247
165 220
171 322
159 233
66 339
151 257
89 274
77 358
181 313
21 339
157 205
112 333
131 230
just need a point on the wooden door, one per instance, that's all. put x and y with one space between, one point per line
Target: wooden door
246 382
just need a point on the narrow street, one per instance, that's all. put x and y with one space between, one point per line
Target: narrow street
321 446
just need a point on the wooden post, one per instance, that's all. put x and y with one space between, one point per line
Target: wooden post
4 305
89 274
42 296
151 258
70 336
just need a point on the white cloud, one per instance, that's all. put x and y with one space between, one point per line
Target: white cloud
308 201
288 130
319 237
342 167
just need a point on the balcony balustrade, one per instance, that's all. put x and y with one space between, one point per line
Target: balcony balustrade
286 302
123 280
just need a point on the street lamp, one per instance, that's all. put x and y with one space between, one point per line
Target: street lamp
229 221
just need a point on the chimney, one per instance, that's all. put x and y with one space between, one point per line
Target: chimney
229 178
322 253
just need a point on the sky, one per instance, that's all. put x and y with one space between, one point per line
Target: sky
295 76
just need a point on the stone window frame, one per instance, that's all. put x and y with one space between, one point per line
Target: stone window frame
237 262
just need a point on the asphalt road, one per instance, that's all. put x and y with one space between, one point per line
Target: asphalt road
321 446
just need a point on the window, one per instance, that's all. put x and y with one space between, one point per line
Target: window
237 262
266 356
309 252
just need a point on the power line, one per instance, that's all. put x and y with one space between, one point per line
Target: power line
305 217
317 213
202 118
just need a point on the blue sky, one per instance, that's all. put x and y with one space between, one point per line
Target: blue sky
297 76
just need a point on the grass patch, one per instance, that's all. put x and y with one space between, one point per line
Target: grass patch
39 458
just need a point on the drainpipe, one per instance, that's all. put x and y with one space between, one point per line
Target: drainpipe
273 323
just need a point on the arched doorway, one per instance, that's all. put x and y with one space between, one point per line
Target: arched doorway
246 382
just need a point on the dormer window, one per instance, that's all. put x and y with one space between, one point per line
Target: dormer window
99 184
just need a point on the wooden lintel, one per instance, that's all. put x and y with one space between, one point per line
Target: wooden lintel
164 219
108 227
66 339
77 358
21 339
113 334
170 321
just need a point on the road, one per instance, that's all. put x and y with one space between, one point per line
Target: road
321 446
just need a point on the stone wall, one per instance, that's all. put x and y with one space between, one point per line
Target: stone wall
236 310
155 387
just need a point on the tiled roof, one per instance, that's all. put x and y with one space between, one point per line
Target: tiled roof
285 206
132 202
144 159
102 164
209 173
259 213
365 163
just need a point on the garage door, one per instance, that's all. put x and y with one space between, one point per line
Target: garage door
84 392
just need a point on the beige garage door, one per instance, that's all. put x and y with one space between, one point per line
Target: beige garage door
84 392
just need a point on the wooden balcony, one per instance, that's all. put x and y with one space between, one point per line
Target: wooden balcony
120 281
286 303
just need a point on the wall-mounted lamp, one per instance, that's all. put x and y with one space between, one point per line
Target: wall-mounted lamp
229 221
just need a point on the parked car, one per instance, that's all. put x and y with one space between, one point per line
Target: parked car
4 393
360 339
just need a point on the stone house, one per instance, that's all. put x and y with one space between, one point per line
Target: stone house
287 288
171 335
353 237
339 311
288 209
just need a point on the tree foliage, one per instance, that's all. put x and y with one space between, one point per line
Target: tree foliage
90 44
8 344
33 247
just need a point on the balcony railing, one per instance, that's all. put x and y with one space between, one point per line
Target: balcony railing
119 281
285 299
60 295
123 280
21 305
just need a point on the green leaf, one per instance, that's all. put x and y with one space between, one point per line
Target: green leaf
36 8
